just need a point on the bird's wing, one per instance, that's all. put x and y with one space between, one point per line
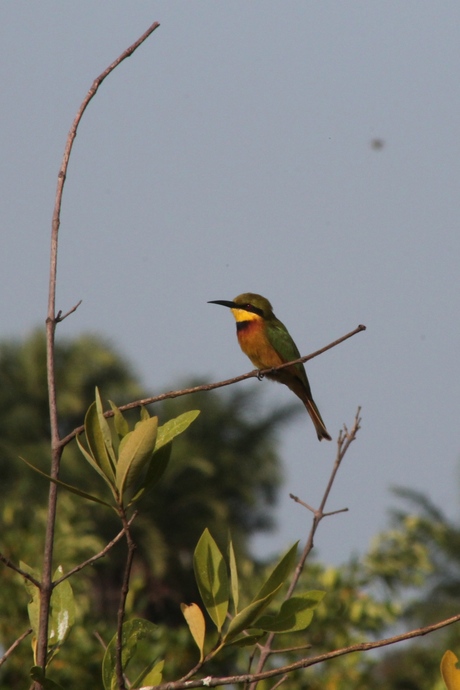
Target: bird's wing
282 342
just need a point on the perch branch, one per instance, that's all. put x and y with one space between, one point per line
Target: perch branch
212 386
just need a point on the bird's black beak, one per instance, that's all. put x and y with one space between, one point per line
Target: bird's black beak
224 303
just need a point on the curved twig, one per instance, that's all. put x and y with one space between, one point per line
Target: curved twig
46 584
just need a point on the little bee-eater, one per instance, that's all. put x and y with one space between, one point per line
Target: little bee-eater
267 343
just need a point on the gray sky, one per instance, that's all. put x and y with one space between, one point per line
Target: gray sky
233 153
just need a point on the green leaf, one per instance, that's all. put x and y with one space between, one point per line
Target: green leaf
121 425
62 615
155 471
105 429
89 458
253 636
133 631
144 413
69 487
33 607
196 623
158 465
245 618
136 450
162 452
95 441
62 611
152 676
279 573
211 578
295 613
123 442
233 575
36 673
174 427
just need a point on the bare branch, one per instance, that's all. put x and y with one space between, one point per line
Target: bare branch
19 570
60 316
212 386
100 640
343 442
358 329
15 644
97 556
312 510
280 681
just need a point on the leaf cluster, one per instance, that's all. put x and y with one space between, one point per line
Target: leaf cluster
218 585
129 461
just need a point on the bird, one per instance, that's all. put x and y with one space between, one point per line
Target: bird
267 343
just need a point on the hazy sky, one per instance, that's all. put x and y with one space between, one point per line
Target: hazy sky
232 153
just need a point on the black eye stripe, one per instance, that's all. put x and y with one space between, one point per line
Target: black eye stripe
254 310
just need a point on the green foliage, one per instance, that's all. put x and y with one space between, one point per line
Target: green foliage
124 458
212 579
224 472
62 615
294 615
249 623
37 674
135 631
425 557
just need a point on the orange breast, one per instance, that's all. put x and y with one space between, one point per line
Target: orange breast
255 344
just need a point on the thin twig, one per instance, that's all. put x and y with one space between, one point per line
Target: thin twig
312 510
96 557
73 132
301 360
15 644
19 570
280 681
343 443
60 316
100 640
255 373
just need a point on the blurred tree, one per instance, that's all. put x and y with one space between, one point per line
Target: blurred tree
421 551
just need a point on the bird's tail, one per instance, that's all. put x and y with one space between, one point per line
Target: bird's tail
316 418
